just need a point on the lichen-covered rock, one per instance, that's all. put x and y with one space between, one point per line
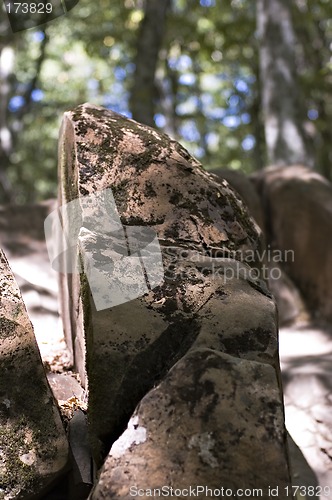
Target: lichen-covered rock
246 189
298 202
154 180
214 422
33 445
136 343
206 299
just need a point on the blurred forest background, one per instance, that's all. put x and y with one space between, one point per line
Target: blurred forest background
241 84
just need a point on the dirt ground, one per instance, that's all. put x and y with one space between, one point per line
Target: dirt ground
306 363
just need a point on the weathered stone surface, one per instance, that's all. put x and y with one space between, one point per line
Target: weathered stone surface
65 386
154 180
204 425
246 189
33 446
287 296
298 202
238 315
137 342
205 300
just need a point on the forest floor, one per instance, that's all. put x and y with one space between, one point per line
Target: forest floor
305 354
306 364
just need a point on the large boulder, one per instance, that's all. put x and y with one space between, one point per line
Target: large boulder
155 183
203 429
208 297
33 445
298 204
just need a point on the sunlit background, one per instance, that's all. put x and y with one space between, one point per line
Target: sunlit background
207 91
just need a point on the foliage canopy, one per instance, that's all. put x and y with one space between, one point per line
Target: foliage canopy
207 83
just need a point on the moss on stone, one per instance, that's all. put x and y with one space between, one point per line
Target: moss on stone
8 328
16 474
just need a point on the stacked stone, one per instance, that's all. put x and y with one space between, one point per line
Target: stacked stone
193 363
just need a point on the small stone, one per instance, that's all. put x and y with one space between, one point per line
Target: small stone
65 386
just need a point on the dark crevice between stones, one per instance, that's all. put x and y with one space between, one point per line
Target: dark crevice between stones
146 371
264 199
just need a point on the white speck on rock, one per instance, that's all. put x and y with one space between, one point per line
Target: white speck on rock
28 458
205 444
132 435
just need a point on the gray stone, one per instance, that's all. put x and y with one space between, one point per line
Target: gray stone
144 339
65 386
154 180
215 421
206 299
298 202
290 304
33 445
288 298
242 184
81 477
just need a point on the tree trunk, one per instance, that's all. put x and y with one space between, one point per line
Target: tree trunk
315 56
282 106
12 126
6 139
144 92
